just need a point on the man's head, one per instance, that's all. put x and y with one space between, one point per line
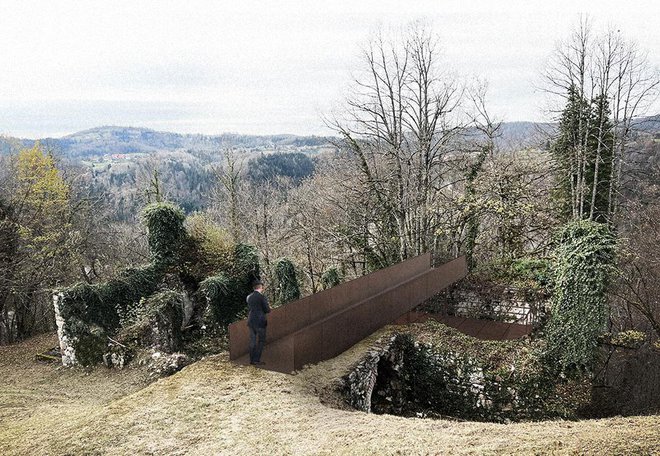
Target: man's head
258 285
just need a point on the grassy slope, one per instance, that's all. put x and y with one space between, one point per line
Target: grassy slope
214 407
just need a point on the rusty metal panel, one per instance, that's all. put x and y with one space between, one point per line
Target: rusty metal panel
278 357
296 315
339 332
323 306
333 336
325 324
306 343
239 338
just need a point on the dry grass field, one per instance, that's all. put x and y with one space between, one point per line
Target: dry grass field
215 407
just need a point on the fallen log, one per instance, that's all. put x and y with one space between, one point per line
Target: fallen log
45 357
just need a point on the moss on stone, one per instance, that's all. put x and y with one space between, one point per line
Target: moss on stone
441 372
147 303
158 324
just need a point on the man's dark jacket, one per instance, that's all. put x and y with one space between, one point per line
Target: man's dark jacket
258 308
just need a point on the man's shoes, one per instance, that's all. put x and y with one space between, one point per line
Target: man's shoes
257 363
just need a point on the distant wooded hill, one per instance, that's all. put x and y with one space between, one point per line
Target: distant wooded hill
127 140
101 141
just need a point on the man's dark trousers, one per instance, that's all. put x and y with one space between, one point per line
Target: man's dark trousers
257 339
258 308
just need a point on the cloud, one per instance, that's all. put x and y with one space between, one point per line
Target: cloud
258 65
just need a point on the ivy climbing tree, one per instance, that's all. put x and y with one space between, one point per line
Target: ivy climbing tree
166 231
287 288
585 258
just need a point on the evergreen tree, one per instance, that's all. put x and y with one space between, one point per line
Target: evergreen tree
599 175
583 152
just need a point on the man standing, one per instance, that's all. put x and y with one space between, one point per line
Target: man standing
258 308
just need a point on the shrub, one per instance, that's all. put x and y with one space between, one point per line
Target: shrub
210 248
625 339
330 278
525 272
287 288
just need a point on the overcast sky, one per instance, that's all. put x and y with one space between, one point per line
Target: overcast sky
261 66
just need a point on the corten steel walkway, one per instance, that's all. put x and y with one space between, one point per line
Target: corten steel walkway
480 329
323 325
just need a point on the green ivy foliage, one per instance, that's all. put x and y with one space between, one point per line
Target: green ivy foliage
287 288
584 261
225 293
103 304
91 344
330 278
202 263
93 311
166 231
246 263
461 377
158 322
216 291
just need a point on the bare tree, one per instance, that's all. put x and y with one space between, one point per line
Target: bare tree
487 130
637 287
398 123
611 84
228 196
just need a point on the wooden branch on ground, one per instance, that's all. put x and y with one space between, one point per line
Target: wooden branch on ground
44 357
115 342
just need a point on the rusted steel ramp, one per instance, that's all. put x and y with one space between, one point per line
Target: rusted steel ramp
475 327
325 324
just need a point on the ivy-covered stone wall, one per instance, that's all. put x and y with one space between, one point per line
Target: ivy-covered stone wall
434 371
196 281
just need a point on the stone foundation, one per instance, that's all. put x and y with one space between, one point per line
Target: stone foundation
66 344
359 384
406 377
